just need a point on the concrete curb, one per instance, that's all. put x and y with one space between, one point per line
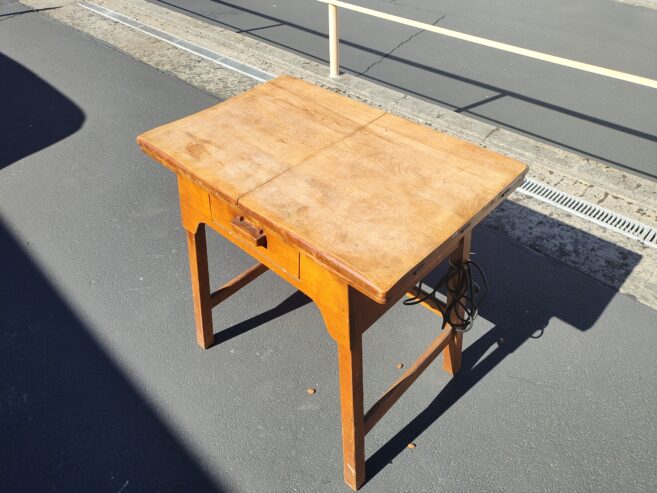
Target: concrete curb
611 258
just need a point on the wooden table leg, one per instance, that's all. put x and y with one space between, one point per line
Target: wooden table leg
452 353
350 362
198 267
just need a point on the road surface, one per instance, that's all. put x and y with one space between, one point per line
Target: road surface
604 119
102 386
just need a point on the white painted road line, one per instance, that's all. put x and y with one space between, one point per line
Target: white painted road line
517 50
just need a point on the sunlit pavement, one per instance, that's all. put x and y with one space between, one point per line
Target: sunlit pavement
104 389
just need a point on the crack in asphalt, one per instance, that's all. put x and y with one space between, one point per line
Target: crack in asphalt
399 46
11 15
491 133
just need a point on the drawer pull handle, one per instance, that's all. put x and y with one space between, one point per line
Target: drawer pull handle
255 236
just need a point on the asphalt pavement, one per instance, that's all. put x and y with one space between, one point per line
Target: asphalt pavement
600 118
103 388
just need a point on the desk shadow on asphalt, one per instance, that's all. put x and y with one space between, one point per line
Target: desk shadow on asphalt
289 304
34 114
70 419
527 290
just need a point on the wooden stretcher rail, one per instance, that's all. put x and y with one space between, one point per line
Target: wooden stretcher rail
231 287
431 304
383 405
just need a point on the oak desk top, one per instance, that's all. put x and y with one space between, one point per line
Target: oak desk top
372 196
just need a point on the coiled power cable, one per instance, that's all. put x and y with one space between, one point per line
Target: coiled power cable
463 293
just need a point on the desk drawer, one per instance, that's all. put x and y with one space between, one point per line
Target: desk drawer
253 238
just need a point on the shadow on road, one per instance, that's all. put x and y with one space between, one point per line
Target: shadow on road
34 114
527 291
291 303
70 420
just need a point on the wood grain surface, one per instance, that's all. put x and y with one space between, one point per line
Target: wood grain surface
374 197
250 139
379 203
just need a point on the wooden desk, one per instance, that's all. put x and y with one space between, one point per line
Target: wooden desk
349 204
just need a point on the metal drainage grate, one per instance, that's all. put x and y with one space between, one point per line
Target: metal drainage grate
587 210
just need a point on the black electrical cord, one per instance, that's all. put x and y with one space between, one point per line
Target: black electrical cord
464 294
